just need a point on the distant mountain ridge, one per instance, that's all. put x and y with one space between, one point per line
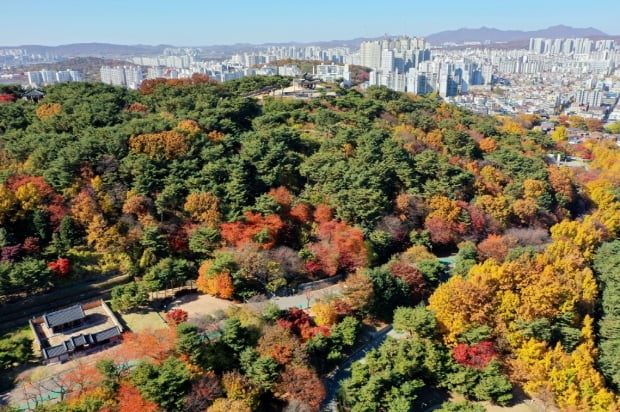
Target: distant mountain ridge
117 51
93 49
495 35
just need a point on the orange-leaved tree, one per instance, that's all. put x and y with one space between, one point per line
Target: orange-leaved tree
215 280
254 227
130 400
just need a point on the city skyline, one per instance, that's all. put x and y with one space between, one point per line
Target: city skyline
193 23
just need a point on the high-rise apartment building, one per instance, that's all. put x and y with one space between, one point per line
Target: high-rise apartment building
399 54
387 60
127 76
34 78
45 77
370 54
133 77
49 76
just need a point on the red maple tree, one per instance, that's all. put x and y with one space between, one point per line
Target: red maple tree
297 321
176 316
253 228
476 356
60 267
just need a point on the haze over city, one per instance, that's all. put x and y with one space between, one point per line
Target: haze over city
195 23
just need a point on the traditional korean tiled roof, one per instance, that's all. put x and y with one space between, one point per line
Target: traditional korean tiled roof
34 93
63 316
70 344
55 351
106 334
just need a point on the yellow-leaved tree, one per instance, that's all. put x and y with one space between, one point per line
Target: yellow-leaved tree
571 378
460 304
324 314
204 208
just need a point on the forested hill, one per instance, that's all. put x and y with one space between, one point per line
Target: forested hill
186 179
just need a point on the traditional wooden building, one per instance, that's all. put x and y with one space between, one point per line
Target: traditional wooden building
76 330
33 95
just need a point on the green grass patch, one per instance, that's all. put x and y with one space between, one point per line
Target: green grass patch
18 332
140 320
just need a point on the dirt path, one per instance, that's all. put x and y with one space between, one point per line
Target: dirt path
198 306
520 407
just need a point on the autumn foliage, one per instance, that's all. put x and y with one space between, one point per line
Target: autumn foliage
219 284
205 390
204 208
324 314
48 110
60 267
298 322
283 198
280 344
413 278
6 98
130 400
339 247
303 385
29 193
169 144
496 247
152 344
488 145
148 86
322 213
216 136
474 356
176 316
103 181
137 108
192 127
254 227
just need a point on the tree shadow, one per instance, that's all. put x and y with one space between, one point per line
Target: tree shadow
430 397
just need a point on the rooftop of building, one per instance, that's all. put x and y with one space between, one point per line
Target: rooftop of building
64 316
94 323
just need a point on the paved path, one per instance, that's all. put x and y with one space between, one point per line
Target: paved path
333 379
306 299
199 305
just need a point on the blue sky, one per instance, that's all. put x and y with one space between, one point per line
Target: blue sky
209 22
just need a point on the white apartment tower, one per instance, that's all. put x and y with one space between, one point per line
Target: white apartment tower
114 76
387 60
34 78
133 77
128 76
370 54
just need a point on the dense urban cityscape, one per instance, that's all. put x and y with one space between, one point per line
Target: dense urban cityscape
577 75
